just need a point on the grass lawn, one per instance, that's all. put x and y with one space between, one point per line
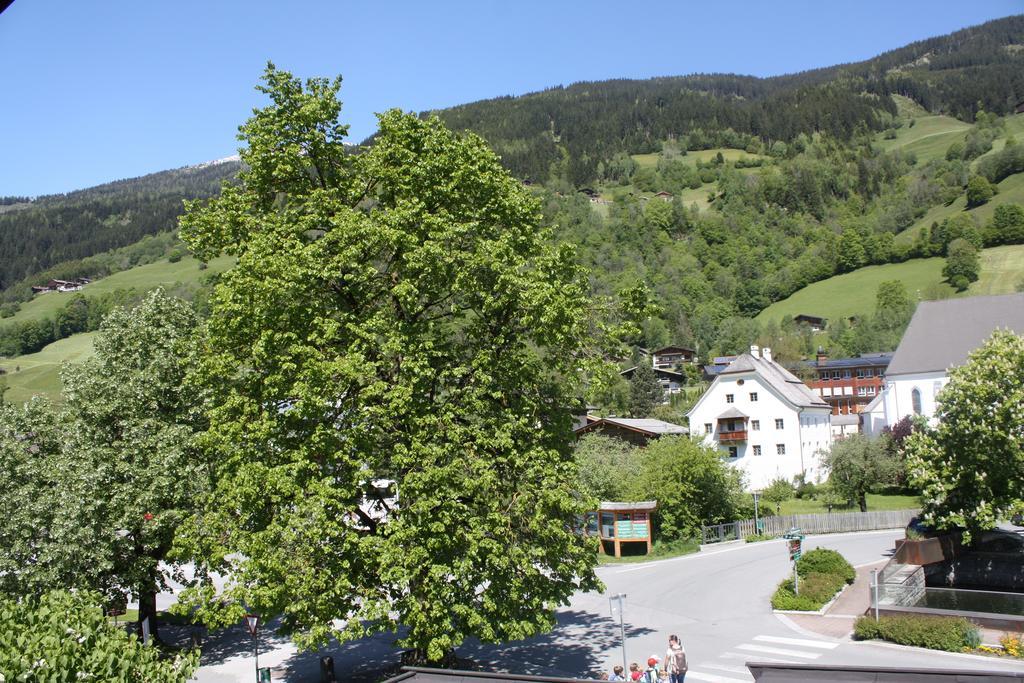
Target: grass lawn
876 501
1010 190
39 373
1001 269
854 293
929 138
161 273
691 157
661 550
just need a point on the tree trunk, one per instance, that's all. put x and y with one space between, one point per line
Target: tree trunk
862 499
147 608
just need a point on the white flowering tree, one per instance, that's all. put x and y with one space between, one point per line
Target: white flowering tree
63 636
970 468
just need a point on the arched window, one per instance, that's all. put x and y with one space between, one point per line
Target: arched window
915 399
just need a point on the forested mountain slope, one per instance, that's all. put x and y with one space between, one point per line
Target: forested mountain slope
54 229
569 131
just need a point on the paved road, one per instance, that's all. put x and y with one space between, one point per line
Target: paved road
717 602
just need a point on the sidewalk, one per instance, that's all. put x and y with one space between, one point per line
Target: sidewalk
838 620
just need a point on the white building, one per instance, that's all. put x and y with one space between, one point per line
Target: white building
765 420
940 336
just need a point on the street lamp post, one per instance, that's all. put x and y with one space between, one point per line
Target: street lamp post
620 598
757 526
252 622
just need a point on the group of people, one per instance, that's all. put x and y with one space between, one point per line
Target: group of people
673 670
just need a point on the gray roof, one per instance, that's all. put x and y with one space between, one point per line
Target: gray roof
640 505
850 419
784 382
648 425
942 333
731 413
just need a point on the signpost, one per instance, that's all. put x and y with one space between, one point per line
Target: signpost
252 622
794 543
757 522
620 598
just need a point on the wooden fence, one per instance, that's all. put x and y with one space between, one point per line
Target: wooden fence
828 523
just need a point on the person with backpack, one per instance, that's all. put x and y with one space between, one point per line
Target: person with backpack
651 673
675 660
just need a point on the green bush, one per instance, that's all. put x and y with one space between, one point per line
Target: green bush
825 561
754 538
951 634
816 589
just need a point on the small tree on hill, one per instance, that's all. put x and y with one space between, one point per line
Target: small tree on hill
970 467
962 264
979 191
644 390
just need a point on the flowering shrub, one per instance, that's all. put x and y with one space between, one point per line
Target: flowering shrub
64 636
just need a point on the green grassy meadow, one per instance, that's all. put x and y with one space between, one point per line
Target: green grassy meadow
876 501
162 273
854 293
39 373
692 157
929 138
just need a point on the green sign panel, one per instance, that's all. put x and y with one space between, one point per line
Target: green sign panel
626 529
263 675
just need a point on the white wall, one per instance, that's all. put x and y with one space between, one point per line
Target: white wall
803 434
898 397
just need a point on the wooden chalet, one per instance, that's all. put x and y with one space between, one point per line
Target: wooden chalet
814 322
638 432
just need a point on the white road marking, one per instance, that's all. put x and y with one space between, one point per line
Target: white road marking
797 641
778 651
697 675
757 658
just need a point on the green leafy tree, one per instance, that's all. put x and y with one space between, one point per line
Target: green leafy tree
979 191
644 390
962 264
777 492
851 250
396 319
693 487
970 467
1007 224
857 464
100 486
608 467
63 636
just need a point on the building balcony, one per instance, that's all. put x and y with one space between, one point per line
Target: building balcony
732 437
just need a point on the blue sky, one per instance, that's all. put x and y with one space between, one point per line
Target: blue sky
101 90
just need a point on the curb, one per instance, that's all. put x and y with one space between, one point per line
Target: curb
824 608
925 650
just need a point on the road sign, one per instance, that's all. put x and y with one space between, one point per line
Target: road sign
263 675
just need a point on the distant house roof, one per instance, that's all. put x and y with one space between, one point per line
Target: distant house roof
723 360
804 318
644 426
659 372
672 349
732 414
942 333
785 383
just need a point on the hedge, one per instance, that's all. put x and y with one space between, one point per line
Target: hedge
825 561
952 634
823 573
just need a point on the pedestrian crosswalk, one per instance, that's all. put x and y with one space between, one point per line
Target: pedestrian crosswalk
729 667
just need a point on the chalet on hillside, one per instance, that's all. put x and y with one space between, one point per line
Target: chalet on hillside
671 382
671 356
814 322
665 196
635 431
61 285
